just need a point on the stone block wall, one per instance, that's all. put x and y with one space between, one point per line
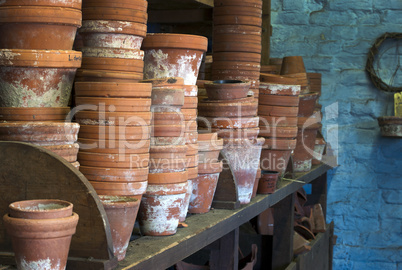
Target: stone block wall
365 191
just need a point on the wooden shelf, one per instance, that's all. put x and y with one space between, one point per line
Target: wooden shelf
162 252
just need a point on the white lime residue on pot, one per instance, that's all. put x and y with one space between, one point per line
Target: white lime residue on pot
45 264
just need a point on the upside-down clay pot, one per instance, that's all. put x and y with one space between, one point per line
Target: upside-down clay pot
307 104
37 78
267 182
173 55
57 114
227 89
292 65
204 187
160 208
121 213
275 160
113 89
41 243
186 202
28 27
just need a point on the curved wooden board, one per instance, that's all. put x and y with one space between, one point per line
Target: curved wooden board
31 172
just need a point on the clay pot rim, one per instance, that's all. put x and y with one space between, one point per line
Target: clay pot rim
118 86
113 27
115 52
36 110
139 5
240 141
114 201
168 149
39 124
17 209
40 58
103 73
138 171
175 41
75 4
168 178
389 120
207 136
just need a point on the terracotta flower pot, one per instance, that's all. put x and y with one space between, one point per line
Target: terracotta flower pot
28 27
208 156
210 168
207 137
204 187
37 78
192 161
227 89
121 213
122 53
114 118
110 146
132 189
210 109
307 104
275 160
131 4
116 104
391 126
120 133
192 172
115 14
168 130
166 82
277 100
279 144
173 55
167 178
267 122
113 160
237 56
303 153
42 133
233 74
186 202
242 156
267 183
115 174
34 114
51 236
67 151
160 208
232 122
113 89
169 158
40 209
91 75
292 64
112 64
280 111
236 65
279 132
168 97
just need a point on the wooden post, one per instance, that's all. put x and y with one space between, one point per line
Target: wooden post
319 193
226 257
266 31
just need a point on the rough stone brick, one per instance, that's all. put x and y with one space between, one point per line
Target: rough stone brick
373 266
343 5
392 196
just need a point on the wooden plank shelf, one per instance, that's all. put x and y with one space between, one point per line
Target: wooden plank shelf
203 229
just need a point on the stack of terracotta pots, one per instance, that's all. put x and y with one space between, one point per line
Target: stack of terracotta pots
112 34
115 120
209 168
278 110
237 41
293 67
37 72
232 114
315 82
168 177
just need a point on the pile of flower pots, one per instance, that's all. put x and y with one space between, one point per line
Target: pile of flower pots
293 67
237 41
112 33
231 113
209 168
37 72
278 110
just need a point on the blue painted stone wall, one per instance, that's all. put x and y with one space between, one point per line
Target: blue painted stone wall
365 192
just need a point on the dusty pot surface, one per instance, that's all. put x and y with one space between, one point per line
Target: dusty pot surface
92 75
160 208
280 111
113 53
275 81
190 103
204 187
211 109
168 118
186 202
267 122
113 89
40 209
167 178
192 161
116 104
229 122
67 151
112 64
37 78
292 64
303 153
168 130
275 160
190 90
34 114
112 146
114 132
279 132
238 133
115 174
121 213
391 126
159 141
235 65
132 189
168 97
113 160
76 4
227 89
279 144
51 236
129 4
248 30
113 13
210 168
267 182
173 55
307 104
114 118
28 27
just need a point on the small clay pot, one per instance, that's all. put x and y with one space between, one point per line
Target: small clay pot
279 132
168 97
43 133
37 78
232 122
237 20
113 160
391 126
292 64
121 213
116 104
51 236
40 209
132 189
227 89
160 208
34 114
237 56
163 54
277 100
277 111
114 118
28 27
112 64
227 109
115 174
115 14
114 146
114 132
67 151
122 53
277 121
204 187
91 75
275 160
186 202
113 89
307 104
267 182
279 144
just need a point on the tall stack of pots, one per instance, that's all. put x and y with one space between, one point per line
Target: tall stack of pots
112 33
278 110
168 182
232 114
37 72
237 41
